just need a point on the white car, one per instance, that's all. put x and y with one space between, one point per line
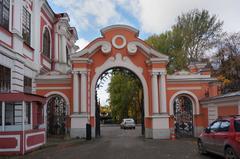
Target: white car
127 123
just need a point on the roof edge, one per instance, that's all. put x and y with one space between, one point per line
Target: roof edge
104 30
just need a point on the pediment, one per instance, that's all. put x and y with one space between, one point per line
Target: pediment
119 37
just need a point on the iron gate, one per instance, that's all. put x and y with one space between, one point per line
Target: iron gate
56 116
183 115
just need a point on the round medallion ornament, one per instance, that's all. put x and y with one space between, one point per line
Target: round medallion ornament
119 41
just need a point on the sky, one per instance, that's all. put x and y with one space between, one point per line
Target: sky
148 16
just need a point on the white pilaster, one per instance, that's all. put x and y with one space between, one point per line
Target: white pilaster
83 92
23 115
56 46
63 50
162 90
75 92
155 93
36 30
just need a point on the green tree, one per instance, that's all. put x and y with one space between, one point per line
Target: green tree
194 33
125 99
199 31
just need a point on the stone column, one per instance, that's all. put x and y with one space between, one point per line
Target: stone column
155 93
162 90
75 93
83 92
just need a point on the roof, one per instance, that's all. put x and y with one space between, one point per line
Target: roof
233 98
233 94
18 97
104 30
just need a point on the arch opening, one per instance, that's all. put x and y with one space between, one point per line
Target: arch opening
183 105
125 100
56 111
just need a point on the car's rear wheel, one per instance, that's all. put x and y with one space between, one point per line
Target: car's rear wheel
201 148
230 154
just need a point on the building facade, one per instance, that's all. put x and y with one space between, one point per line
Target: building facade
33 40
47 88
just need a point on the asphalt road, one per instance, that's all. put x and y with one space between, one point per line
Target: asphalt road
116 143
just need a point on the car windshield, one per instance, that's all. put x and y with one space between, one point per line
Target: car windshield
237 125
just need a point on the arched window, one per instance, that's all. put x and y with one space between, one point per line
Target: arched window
46 43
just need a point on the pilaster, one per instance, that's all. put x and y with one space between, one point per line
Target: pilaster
155 93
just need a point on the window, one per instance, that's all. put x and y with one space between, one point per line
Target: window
215 126
28 113
224 126
46 43
26 26
67 53
9 114
0 113
4 13
237 125
13 113
5 79
27 85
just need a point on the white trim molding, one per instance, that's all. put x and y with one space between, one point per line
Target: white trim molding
37 145
119 61
193 97
17 148
132 49
106 48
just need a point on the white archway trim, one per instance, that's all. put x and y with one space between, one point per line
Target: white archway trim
62 95
106 48
193 97
124 62
132 49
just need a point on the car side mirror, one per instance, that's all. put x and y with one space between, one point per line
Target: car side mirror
207 130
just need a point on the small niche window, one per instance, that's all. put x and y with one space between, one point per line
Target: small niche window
46 43
27 84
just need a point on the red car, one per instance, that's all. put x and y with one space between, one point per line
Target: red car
222 137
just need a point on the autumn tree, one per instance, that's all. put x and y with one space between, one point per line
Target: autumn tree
227 60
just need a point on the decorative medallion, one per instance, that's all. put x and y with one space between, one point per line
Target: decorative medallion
119 41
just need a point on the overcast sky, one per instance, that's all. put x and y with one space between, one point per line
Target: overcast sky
148 16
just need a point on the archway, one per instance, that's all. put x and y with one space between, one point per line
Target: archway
119 46
126 100
56 115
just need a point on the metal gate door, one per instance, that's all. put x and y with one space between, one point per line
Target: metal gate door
56 116
183 115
